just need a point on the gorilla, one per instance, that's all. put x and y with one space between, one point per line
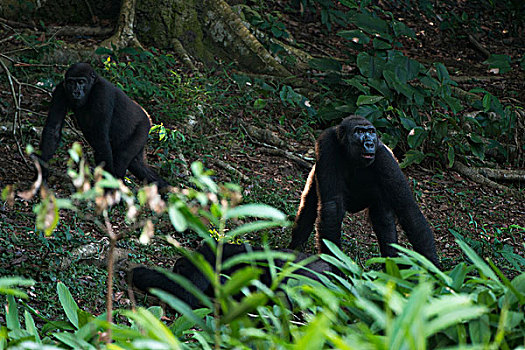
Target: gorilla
354 170
115 126
144 278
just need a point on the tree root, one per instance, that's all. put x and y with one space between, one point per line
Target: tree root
477 176
502 174
280 152
237 28
183 54
124 35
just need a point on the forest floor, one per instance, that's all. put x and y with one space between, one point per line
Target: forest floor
491 221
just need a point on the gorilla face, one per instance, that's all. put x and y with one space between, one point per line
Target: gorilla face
78 82
364 138
77 89
359 139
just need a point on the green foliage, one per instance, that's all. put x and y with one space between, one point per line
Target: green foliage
415 107
152 78
417 307
409 304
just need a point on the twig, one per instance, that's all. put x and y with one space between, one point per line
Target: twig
230 169
16 101
478 46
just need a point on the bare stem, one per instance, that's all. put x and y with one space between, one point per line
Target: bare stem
109 296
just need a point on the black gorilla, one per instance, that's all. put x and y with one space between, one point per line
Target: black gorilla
354 170
114 125
144 278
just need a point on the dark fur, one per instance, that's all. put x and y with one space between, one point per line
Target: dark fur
144 278
344 180
114 125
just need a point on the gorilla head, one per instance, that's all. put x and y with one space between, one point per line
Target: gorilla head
359 139
79 79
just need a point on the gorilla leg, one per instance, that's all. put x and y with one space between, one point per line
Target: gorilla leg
142 171
328 226
123 154
305 219
384 225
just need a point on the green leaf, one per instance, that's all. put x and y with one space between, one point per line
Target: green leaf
479 330
8 283
248 304
259 103
31 327
450 156
370 66
313 336
356 36
257 211
177 219
240 279
68 304
449 311
381 44
480 264
372 25
343 258
325 64
157 330
254 227
423 261
73 341
357 82
500 62
184 323
103 51
400 29
13 322
442 73
368 100
412 314
408 123
411 157
416 137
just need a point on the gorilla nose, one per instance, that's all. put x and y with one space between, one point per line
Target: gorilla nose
370 147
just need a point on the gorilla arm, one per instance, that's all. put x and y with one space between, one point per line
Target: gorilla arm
55 120
52 131
398 193
329 177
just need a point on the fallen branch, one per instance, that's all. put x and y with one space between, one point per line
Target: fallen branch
230 169
286 154
80 30
475 176
265 136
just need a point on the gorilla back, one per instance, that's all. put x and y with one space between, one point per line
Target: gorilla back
354 170
115 126
144 278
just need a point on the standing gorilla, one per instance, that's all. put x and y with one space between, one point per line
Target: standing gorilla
114 125
354 170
